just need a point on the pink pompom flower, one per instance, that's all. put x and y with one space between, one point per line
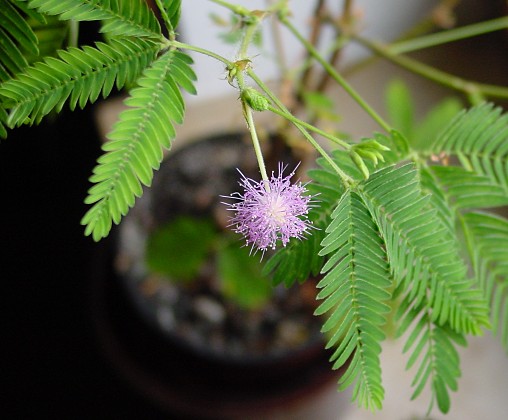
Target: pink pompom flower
271 211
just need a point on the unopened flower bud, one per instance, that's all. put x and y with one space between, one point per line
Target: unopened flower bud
255 100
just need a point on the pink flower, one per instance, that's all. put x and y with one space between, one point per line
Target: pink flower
272 210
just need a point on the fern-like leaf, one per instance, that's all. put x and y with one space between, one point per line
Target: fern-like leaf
80 75
433 351
51 34
173 11
17 39
137 141
354 288
489 234
421 253
479 139
120 17
468 190
297 261
439 200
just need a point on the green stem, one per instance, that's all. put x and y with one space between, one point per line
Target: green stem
446 79
337 77
247 112
247 39
183 46
346 179
450 35
248 34
73 33
309 127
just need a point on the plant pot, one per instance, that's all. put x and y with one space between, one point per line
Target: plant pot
139 318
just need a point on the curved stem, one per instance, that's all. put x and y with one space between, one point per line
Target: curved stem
450 35
337 77
203 51
449 80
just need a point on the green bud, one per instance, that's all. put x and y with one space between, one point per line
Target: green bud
360 164
372 156
255 100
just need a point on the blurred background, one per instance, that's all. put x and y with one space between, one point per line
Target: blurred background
56 362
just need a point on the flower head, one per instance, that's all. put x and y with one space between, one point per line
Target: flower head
269 211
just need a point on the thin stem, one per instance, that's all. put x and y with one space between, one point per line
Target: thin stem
247 112
346 179
469 87
338 78
247 39
73 33
309 127
178 44
450 35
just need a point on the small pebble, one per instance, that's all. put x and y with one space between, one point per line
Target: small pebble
209 309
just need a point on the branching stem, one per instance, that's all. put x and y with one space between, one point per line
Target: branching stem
346 179
337 77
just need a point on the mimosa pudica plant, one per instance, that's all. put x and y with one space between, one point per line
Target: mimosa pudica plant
400 226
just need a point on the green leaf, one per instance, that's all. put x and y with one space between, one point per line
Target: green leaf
241 277
489 235
51 35
297 261
401 110
173 10
78 76
17 39
136 144
355 286
125 17
479 139
433 351
164 248
422 255
467 190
